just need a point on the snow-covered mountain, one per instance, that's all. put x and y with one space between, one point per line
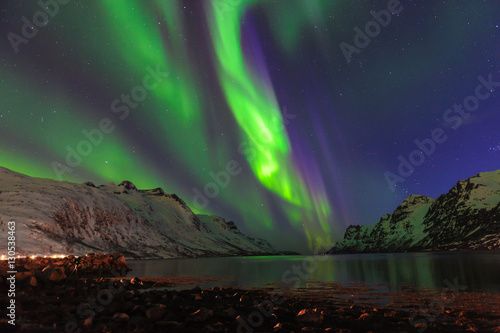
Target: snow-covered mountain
466 218
54 217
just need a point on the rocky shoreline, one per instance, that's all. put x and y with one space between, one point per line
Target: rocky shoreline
51 296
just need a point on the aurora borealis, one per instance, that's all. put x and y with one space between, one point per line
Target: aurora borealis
249 109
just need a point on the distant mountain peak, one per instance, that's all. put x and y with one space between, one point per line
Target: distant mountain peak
465 218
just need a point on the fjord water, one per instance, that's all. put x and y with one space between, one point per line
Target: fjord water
477 271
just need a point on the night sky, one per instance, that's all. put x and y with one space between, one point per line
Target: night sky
291 117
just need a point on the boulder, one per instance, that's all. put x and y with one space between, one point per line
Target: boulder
31 266
120 263
53 274
32 281
201 315
23 275
121 317
313 316
156 313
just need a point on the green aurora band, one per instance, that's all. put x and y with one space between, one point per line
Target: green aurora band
175 113
255 108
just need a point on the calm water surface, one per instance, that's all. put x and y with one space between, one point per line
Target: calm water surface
478 271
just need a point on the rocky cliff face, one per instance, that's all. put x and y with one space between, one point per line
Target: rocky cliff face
466 218
65 218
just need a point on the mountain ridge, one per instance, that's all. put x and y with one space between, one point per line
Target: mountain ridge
465 218
56 217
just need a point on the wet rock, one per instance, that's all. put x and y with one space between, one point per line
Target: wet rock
121 317
313 316
229 313
365 316
87 323
156 313
308 329
201 315
136 281
244 298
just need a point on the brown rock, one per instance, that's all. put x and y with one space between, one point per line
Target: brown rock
63 262
120 262
54 274
107 259
97 262
313 316
121 317
364 316
24 275
32 281
87 323
136 281
156 313
308 329
31 266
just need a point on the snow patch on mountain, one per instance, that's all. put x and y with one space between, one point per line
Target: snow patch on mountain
54 217
466 218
